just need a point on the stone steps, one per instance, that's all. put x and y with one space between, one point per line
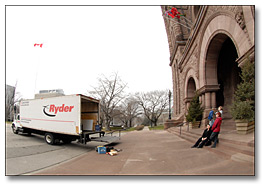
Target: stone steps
228 124
226 148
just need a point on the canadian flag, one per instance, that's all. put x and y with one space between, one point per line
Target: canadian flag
40 45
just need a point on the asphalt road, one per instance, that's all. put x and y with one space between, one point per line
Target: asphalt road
26 154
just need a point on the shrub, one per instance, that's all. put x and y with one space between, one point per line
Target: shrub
195 110
242 110
139 128
243 106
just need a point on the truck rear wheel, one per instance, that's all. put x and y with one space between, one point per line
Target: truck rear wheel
49 138
14 129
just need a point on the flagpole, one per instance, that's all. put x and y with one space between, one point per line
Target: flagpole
38 63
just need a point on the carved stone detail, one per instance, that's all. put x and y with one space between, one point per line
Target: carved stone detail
239 17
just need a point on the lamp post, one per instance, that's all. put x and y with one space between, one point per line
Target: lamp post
170 94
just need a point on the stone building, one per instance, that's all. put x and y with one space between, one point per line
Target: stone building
207 47
49 93
10 101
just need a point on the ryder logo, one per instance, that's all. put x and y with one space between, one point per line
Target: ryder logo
52 110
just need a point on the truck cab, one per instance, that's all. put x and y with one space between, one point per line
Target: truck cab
16 125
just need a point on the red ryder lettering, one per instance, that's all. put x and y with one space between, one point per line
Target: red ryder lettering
62 108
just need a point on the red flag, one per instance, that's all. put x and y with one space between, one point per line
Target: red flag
173 13
40 45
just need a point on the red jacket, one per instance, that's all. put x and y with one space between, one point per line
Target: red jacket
216 125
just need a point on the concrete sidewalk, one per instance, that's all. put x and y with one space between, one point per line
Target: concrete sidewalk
152 153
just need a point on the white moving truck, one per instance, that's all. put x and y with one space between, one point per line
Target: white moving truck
65 118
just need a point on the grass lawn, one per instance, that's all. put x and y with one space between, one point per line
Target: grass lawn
120 128
131 129
160 127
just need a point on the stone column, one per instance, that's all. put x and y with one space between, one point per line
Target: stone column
207 100
203 101
213 100
187 106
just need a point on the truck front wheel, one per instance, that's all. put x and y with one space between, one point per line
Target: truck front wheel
14 130
49 138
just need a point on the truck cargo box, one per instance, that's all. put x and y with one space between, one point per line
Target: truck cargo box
65 117
65 114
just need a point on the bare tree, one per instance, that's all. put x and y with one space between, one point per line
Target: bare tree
110 91
130 109
153 103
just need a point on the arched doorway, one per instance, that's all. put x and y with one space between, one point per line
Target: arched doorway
190 91
228 73
222 69
191 88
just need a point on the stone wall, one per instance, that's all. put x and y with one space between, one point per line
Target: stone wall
196 57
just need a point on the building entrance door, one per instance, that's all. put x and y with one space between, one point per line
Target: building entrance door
228 73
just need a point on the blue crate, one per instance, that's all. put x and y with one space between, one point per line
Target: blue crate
102 150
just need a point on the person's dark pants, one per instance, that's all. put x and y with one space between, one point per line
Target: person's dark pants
200 142
214 137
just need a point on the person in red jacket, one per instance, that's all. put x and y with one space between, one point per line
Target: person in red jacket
216 129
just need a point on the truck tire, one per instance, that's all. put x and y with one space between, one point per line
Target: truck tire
49 138
14 129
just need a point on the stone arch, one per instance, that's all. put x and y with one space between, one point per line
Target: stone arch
221 70
191 87
191 83
222 25
212 55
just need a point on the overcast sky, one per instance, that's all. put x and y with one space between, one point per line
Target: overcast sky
81 43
